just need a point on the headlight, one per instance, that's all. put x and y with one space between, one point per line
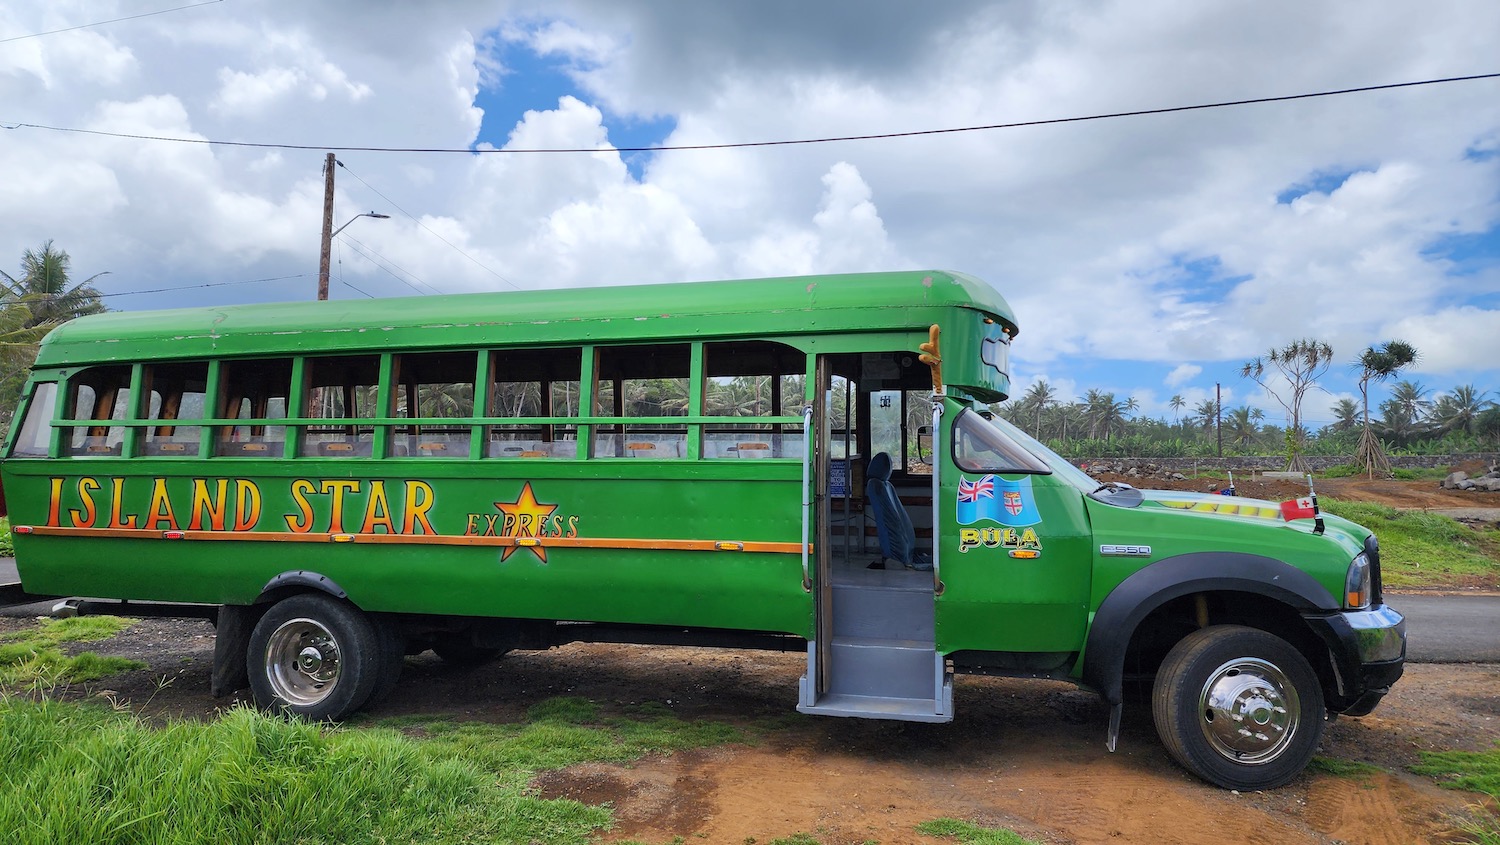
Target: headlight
1357 584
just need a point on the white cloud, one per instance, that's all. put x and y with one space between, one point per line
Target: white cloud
1150 239
1181 373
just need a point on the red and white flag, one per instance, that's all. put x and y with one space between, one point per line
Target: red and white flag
1303 508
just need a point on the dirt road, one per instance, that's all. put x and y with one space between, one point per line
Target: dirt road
1028 755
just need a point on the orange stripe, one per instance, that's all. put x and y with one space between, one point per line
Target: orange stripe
433 540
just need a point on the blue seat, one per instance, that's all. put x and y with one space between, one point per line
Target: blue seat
892 523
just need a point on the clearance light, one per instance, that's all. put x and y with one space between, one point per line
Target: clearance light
1026 554
174 535
342 538
528 541
728 546
22 529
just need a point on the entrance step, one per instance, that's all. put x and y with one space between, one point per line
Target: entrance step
885 668
905 680
884 612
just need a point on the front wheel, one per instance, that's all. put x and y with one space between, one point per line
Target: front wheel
1238 707
315 657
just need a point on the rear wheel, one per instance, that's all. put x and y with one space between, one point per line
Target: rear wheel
1238 707
315 657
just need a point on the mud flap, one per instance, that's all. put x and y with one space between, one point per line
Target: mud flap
231 639
1115 711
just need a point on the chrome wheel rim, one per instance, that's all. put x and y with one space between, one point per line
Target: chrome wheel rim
1249 711
303 662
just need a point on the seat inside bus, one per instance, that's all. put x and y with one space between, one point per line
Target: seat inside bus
892 523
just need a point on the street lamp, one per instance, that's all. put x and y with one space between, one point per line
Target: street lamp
328 244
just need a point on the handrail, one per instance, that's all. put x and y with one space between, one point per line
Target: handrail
937 502
807 498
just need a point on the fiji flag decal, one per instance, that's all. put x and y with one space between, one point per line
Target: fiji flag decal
1009 503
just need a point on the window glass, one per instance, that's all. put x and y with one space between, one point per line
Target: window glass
341 387
36 433
100 394
433 385
642 381
750 381
980 446
256 392
537 383
174 391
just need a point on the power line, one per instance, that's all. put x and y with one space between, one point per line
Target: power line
429 230
371 256
113 20
195 287
782 143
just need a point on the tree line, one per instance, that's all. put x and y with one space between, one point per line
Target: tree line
1415 419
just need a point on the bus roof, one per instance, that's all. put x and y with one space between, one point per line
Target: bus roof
779 306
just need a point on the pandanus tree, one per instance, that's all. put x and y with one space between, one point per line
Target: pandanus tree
1376 364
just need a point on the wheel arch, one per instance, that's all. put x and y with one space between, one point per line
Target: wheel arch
296 581
1281 592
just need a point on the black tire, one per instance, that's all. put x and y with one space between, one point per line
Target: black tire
1238 707
392 658
314 657
459 650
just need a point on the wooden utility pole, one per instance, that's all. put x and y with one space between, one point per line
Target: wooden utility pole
1219 415
327 226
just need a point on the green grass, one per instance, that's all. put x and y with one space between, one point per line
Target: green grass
7 545
1419 549
1352 769
86 773
972 833
33 656
1476 771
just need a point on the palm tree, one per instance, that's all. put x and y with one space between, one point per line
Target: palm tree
46 289
1177 403
1459 410
1240 426
1345 415
1378 363
39 299
1411 398
1104 413
1039 398
1205 415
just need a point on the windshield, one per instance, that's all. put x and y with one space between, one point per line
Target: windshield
1059 465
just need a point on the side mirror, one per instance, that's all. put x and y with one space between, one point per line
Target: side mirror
924 445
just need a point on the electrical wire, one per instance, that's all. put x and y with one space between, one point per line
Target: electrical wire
376 258
197 287
783 143
429 230
113 20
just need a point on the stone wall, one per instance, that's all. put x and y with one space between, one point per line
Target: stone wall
1276 463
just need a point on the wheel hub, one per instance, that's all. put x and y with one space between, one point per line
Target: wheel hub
1249 710
302 659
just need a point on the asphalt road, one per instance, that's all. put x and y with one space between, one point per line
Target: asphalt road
1439 629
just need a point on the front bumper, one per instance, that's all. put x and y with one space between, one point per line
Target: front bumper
1368 652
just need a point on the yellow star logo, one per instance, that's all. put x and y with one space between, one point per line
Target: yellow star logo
524 518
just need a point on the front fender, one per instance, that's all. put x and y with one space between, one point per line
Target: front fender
1121 612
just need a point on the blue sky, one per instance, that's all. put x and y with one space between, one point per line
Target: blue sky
1145 256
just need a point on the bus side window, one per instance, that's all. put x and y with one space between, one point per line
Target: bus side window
173 392
98 395
341 387
642 382
533 386
433 385
255 393
36 431
749 381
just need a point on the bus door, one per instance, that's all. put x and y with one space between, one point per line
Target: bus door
874 652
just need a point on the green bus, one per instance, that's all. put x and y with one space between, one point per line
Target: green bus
806 464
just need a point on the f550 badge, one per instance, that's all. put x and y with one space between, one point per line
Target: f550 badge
1125 551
